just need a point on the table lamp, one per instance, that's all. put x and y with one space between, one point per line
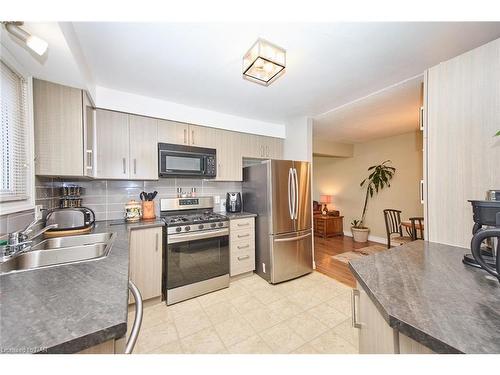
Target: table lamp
324 200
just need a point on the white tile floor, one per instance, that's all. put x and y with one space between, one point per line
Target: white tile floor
309 315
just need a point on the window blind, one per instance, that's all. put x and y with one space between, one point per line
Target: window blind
13 136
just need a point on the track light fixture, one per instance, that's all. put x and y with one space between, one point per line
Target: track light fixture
35 43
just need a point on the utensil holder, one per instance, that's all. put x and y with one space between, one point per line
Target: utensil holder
148 210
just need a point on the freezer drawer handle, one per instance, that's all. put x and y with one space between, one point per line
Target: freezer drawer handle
293 238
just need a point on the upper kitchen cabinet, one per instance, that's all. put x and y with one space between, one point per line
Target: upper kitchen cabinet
112 144
126 146
204 136
261 147
173 132
143 148
88 136
229 158
59 130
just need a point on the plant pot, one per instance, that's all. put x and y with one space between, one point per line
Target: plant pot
360 234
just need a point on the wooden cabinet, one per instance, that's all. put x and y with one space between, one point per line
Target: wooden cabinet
241 246
143 148
145 268
58 120
375 335
112 140
89 137
229 159
126 146
328 226
173 132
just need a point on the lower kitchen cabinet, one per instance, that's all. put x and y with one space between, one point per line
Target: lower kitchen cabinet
375 335
241 246
146 261
113 346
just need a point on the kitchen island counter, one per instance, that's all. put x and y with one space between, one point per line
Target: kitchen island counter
423 290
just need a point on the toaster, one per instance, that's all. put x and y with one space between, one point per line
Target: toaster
233 202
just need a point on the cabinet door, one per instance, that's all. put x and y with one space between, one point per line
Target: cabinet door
58 118
229 161
88 136
375 335
143 148
173 132
146 261
203 136
112 142
275 148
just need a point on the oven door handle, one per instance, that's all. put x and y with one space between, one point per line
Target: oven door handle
176 238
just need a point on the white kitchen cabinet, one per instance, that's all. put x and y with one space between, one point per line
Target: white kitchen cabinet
173 132
204 136
145 269
112 144
58 123
143 148
241 246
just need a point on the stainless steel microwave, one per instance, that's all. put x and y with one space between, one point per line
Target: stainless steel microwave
186 161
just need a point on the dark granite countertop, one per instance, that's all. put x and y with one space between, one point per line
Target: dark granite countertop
68 308
425 291
237 215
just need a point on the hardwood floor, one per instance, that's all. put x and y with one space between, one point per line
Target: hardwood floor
324 248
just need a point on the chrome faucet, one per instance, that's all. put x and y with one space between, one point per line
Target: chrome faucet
21 241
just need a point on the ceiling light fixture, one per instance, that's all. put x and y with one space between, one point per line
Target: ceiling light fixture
264 62
35 43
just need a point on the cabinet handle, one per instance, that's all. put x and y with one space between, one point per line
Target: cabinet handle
243 224
243 247
243 235
124 167
354 294
156 243
421 118
135 166
244 257
89 159
185 136
267 151
192 137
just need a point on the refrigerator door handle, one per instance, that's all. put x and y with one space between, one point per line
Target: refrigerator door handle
289 239
289 191
296 194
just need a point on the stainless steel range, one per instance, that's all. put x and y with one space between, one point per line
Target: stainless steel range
196 248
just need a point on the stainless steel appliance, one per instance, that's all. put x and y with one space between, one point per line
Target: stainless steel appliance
186 161
70 218
196 248
233 202
279 192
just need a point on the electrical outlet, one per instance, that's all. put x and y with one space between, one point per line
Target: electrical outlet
38 211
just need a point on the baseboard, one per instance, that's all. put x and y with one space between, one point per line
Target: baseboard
377 239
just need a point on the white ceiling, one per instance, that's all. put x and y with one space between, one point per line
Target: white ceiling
388 112
328 64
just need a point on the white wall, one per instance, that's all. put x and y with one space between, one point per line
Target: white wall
298 141
142 105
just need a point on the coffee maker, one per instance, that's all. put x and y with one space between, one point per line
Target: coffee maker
485 244
233 202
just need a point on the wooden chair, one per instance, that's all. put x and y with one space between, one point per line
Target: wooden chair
393 226
417 225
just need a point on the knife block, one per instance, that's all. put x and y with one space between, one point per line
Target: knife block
148 210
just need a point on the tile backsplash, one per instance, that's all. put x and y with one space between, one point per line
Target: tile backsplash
107 198
15 222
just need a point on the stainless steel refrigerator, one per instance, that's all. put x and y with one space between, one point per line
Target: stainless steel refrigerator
279 192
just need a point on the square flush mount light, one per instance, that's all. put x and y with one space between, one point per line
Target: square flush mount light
264 62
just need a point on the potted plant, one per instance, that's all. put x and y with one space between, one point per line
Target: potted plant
379 178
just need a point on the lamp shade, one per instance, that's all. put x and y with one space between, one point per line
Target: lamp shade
325 199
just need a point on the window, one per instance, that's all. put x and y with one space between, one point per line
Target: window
14 171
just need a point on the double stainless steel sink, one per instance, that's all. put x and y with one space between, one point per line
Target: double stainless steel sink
59 251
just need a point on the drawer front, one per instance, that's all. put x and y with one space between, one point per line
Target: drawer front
239 224
242 257
242 234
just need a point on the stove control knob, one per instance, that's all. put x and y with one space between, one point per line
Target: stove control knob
221 224
200 226
213 225
187 229
178 229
